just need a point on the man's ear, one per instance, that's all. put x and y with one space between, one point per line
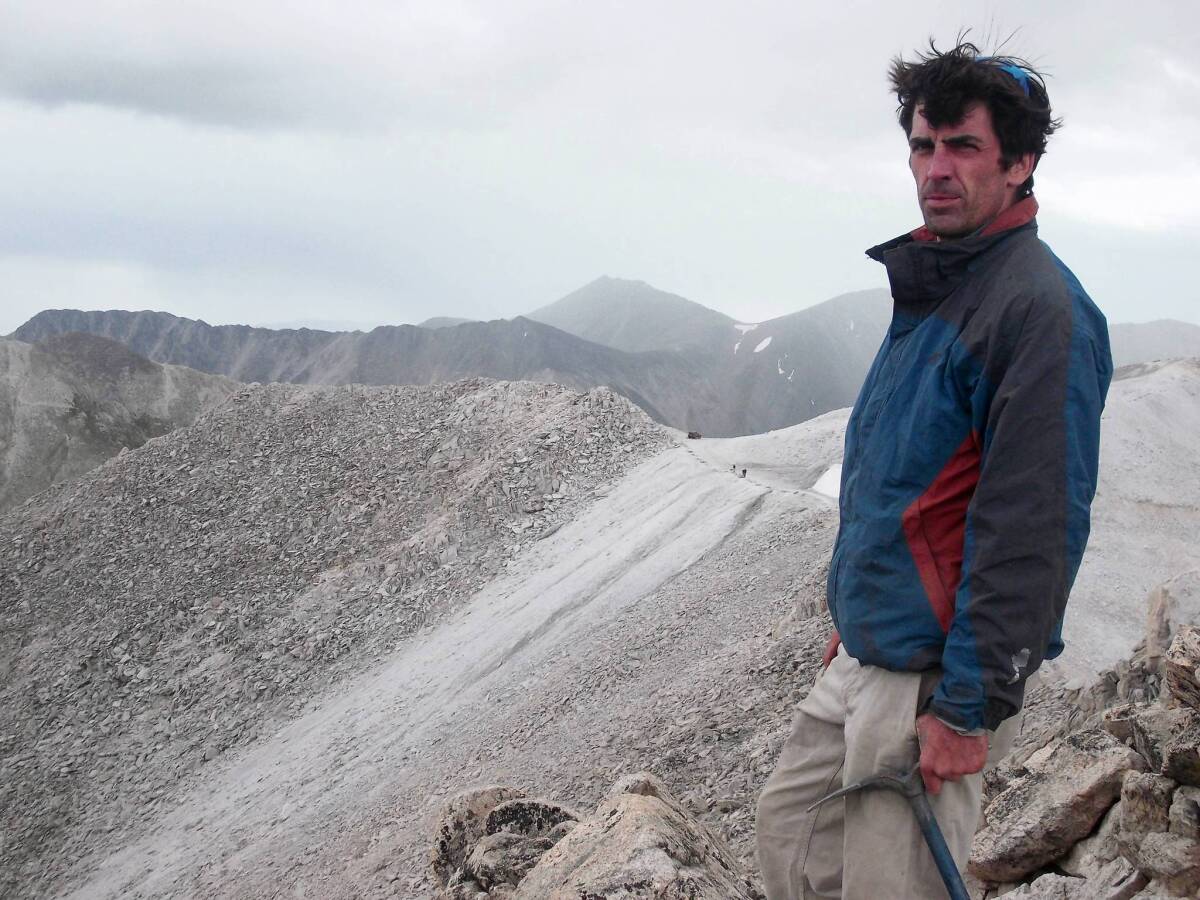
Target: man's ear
1020 170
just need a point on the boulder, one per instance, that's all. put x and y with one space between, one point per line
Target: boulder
1119 721
1096 850
1182 667
1048 887
1145 809
1150 729
1171 605
504 858
1118 880
516 834
1070 785
640 843
1181 756
1184 815
463 822
1172 861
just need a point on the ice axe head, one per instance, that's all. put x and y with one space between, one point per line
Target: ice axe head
912 788
908 786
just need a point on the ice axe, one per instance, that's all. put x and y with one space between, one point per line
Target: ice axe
912 788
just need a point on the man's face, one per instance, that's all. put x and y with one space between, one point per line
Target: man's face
961 182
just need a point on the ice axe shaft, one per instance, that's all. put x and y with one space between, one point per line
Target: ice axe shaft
912 788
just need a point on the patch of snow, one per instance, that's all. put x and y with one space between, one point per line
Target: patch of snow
744 328
788 459
763 344
779 366
830 484
851 324
790 374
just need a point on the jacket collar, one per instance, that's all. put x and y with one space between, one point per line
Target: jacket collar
923 270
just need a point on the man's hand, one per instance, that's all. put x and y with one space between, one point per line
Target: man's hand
831 648
947 755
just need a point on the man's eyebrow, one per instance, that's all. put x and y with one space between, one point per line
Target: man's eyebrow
919 143
960 139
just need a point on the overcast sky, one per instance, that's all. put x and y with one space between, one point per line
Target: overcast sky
383 162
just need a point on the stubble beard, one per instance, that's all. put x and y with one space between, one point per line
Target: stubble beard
949 228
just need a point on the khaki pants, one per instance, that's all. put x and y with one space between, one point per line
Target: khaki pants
856 721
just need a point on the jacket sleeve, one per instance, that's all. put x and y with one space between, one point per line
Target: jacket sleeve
1036 410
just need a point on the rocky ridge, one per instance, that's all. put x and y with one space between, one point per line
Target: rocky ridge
671 387
1111 808
171 604
72 401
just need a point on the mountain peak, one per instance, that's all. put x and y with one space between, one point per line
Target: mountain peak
633 316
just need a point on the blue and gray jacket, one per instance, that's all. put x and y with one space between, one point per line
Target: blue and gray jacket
970 466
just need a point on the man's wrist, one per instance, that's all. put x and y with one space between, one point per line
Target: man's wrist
964 732
928 709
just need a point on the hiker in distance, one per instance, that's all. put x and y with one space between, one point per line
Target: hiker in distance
970 465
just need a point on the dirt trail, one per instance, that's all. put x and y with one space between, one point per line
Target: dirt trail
382 736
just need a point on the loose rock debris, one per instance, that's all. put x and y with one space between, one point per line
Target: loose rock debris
174 602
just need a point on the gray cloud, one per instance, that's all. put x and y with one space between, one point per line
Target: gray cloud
205 92
302 65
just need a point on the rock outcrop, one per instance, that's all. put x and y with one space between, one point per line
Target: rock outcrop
1067 788
489 838
1173 603
639 843
463 822
1114 808
1182 665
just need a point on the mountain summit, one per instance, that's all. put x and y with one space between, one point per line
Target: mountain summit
633 316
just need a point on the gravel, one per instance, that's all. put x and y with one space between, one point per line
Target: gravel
187 596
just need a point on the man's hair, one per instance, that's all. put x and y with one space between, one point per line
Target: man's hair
945 84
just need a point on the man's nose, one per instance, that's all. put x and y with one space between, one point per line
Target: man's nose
941 164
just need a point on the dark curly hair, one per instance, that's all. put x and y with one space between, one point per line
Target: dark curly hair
945 84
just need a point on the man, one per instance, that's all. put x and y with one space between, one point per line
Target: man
970 465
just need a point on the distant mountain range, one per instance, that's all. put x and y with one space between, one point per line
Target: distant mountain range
74 400
688 366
